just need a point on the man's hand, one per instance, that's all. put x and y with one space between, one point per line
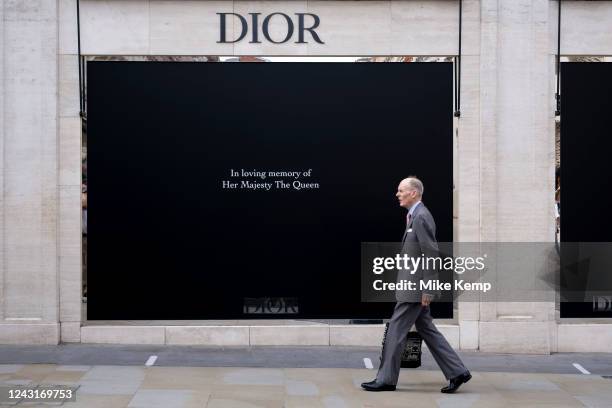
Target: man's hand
426 299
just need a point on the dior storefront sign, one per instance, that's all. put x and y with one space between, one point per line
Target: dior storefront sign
304 27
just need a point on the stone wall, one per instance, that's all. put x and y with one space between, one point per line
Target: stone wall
29 172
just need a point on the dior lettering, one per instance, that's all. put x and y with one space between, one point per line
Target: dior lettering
253 23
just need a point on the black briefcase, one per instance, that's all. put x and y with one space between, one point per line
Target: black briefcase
411 357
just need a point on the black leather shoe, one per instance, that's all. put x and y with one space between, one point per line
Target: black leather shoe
456 382
374 386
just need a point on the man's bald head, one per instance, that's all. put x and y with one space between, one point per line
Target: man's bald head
415 184
409 191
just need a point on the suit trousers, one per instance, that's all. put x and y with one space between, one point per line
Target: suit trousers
404 316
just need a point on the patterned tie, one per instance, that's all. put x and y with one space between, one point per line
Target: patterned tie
408 218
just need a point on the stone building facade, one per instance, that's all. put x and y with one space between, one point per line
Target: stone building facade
506 132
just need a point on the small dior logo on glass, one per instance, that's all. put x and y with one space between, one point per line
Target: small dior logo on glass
271 305
602 303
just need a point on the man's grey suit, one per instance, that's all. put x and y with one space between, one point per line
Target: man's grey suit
419 238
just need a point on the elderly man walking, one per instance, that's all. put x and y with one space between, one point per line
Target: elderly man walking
413 307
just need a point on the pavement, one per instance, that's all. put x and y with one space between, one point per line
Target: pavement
109 376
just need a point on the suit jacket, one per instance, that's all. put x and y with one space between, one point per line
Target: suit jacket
419 241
